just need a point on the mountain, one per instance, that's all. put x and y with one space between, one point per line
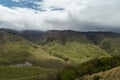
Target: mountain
15 49
108 41
80 46
16 52
65 46
32 35
53 52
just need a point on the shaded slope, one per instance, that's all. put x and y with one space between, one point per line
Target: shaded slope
31 35
62 37
108 41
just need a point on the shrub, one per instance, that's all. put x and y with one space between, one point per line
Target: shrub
96 78
90 67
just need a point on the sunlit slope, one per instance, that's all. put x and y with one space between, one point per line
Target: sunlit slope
42 58
15 50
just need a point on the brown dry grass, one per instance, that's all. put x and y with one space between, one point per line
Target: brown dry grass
113 74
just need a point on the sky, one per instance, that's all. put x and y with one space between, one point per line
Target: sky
79 15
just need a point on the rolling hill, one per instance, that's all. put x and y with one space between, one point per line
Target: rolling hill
14 49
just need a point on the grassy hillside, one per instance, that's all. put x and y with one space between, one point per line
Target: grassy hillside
74 51
113 74
111 45
44 59
90 67
15 50
56 51
26 73
72 47
108 41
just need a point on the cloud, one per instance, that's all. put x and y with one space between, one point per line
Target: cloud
25 18
16 0
83 15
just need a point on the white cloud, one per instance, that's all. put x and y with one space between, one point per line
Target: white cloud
16 0
78 15
24 18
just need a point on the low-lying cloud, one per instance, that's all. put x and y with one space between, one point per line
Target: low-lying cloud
82 15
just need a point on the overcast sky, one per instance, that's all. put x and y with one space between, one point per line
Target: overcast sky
80 15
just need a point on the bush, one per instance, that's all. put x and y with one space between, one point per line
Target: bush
96 78
90 67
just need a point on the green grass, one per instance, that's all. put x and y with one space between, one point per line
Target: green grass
111 45
26 73
74 51
42 58
57 52
15 52
20 52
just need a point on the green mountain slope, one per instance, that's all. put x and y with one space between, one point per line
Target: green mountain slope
71 46
44 59
108 41
16 50
56 51
13 48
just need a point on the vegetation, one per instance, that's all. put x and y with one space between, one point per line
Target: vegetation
42 58
65 55
74 51
26 73
111 45
16 50
112 74
96 78
90 67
